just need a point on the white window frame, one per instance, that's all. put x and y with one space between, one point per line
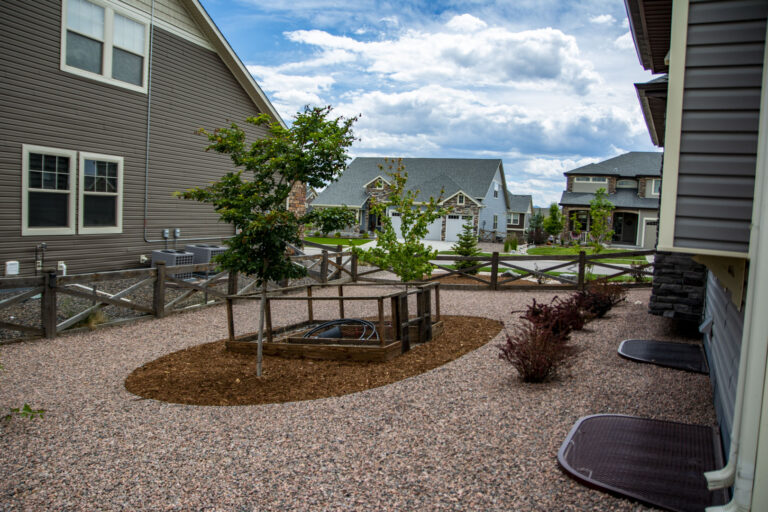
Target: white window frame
513 219
118 228
655 187
26 230
106 64
495 189
626 183
495 222
460 199
581 179
599 179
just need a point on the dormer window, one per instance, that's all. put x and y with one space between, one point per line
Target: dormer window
460 199
103 44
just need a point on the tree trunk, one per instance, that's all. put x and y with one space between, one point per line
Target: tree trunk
262 308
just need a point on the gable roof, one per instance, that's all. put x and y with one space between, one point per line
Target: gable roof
429 175
628 165
653 101
231 60
520 203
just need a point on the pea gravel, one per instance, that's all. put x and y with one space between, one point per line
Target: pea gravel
465 436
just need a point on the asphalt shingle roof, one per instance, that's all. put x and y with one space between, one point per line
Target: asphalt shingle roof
634 163
623 198
519 203
429 175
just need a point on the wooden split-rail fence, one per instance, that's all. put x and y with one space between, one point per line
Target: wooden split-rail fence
172 292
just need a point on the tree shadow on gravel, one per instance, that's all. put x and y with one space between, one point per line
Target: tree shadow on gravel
210 375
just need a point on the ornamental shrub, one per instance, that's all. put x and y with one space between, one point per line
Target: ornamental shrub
467 246
534 351
560 317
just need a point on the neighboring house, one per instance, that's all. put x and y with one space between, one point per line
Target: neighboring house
519 216
101 100
474 190
714 206
632 181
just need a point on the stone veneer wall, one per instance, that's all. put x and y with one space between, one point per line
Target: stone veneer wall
468 208
297 199
679 287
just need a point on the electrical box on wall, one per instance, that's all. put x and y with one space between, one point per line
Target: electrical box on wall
11 268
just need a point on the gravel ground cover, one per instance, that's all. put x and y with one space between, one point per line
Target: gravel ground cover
465 436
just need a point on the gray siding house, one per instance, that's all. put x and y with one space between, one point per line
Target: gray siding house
713 202
474 189
101 101
519 216
632 181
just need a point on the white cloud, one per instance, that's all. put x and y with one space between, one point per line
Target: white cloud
291 92
554 167
466 23
603 19
624 42
480 56
544 192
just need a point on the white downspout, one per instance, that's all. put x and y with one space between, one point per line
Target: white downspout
740 470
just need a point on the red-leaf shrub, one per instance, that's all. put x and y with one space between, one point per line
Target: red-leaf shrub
592 305
535 352
559 316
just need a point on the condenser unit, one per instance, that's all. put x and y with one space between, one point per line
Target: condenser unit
204 252
172 258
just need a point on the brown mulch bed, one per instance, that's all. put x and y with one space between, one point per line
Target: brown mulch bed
208 374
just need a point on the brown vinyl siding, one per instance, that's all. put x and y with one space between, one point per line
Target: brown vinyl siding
44 106
721 102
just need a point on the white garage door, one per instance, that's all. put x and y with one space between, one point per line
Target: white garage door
434 230
395 216
454 225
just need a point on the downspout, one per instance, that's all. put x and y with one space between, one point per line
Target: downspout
146 146
740 469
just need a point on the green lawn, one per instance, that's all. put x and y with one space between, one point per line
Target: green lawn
567 251
337 241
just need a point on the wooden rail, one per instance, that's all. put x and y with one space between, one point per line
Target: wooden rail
171 294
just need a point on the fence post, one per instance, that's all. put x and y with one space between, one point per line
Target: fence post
158 297
582 269
353 265
341 301
420 315
324 268
230 320
48 304
382 338
338 274
437 301
396 326
232 283
405 328
495 271
310 314
427 311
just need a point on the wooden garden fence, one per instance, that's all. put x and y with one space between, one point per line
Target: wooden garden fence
327 267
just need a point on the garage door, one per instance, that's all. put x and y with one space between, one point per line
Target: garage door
434 229
454 225
395 216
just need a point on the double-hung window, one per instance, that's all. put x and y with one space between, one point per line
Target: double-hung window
103 44
101 194
48 184
460 199
513 219
63 194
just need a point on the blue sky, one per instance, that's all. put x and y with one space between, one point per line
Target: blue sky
545 85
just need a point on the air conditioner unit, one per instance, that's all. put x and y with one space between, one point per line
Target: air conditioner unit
172 258
204 252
